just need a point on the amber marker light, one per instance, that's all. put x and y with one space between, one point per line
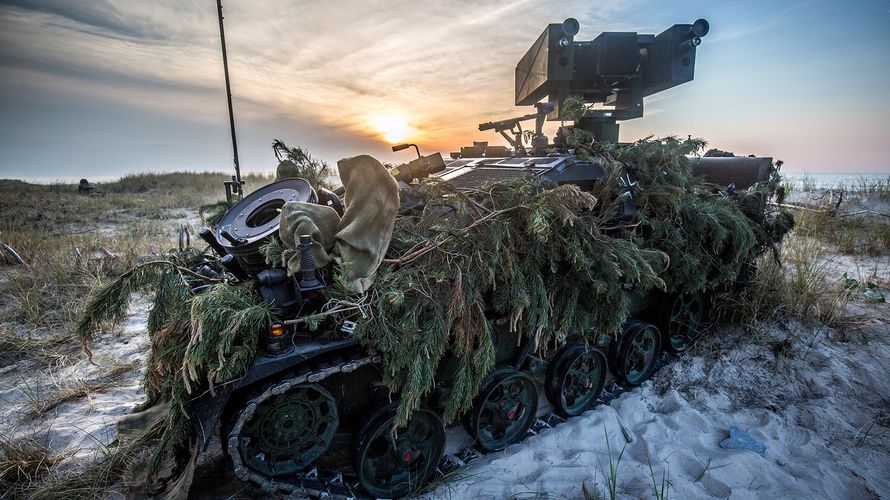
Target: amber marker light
276 330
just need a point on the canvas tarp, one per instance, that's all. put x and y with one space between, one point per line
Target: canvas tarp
359 240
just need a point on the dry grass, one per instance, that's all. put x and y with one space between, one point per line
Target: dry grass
804 287
102 478
50 349
57 208
73 390
69 243
865 186
862 185
24 462
851 230
811 290
850 235
808 286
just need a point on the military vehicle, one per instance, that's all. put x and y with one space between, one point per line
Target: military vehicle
312 416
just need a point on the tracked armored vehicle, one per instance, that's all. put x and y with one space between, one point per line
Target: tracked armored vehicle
311 416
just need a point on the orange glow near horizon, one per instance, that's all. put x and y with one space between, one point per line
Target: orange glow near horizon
393 129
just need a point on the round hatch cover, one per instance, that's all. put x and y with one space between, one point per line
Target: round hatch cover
258 214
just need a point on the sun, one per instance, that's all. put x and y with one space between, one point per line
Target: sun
393 129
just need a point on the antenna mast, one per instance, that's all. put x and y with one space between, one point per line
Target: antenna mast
235 185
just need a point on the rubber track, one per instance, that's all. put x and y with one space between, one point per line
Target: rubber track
337 485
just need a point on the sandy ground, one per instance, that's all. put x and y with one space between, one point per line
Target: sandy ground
820 404
83 427
822 411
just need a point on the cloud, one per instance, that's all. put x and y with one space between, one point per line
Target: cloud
336 68
98 17
442 67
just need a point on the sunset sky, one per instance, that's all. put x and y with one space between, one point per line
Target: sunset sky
100 88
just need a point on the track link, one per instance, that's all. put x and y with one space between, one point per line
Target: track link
337 485
309 483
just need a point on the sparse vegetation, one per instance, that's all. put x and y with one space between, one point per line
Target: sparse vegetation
804 288
807 183
810 289
24 462
849 234
79 388
95 479
587 494
807 285
69 243
864 185
15 347
612 474
661 490
868 434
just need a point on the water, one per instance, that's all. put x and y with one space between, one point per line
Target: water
835 180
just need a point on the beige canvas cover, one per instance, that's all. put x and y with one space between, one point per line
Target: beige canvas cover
359 240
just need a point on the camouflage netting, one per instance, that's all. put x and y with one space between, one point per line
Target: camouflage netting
198 340
297 162
552 260
705 235
524 250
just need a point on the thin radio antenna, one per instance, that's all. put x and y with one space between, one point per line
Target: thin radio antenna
235 185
